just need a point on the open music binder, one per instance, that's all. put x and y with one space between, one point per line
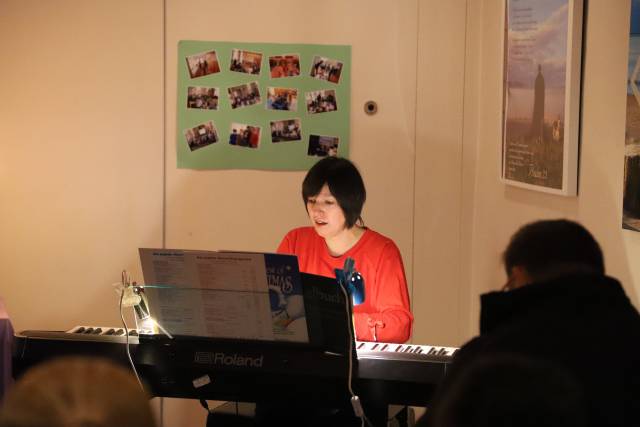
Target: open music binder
244 296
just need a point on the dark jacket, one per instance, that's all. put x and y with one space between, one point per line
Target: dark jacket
582 323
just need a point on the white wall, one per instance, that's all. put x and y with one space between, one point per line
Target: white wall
80 154
440 303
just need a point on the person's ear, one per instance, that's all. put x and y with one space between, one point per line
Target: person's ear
519 277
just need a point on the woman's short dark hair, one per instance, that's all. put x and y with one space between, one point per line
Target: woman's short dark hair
548 248
345 184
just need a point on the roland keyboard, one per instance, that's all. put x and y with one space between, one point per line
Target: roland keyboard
252 371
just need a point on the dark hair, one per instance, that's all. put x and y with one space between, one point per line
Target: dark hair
502 389
552 247
345 184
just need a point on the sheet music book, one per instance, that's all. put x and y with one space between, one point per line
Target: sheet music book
242 295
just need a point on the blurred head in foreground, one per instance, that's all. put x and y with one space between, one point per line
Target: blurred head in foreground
77 392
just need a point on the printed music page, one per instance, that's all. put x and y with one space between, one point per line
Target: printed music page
235 296
225 294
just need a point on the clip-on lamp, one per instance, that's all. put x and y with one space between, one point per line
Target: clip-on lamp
352 281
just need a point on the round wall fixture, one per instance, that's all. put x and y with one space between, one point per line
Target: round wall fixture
370 107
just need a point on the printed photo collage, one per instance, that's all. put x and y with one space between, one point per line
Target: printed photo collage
281 95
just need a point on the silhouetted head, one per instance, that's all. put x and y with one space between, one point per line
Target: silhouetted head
77 392
550 248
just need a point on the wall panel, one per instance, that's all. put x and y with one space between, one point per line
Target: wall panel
80 154
438 302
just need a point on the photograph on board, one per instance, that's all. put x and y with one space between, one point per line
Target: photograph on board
284 66
244 135
326 69
244 95
203 64
282 98
204 98
243 61
286 130
323 146
321 101
201 135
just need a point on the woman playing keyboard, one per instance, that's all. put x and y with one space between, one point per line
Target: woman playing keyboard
334 193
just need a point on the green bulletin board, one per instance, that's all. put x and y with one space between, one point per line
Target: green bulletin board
292 104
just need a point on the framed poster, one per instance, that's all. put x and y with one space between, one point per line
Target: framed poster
266 106
631 188
541 94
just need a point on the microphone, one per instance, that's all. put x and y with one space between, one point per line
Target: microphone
352 281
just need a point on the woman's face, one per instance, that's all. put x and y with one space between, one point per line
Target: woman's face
325 214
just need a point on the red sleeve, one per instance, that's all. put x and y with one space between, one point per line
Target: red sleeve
391 316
